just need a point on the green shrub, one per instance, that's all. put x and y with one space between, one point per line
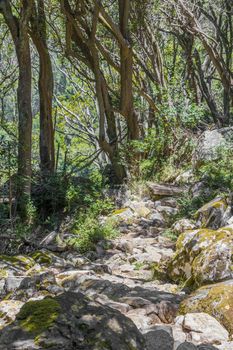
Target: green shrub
88 228
218 174
168 233
89 233
188 205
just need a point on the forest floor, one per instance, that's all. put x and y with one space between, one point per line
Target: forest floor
119 276
118 280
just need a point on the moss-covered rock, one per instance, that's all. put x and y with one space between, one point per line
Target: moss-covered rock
216 300
203 256
214 214
18 261
38 316
69 322
42 258
122 215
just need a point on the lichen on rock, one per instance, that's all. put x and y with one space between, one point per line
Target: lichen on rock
203 255
216 300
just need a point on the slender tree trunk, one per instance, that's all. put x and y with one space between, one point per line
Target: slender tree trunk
38 33
127 104
18 27
25 124
46 124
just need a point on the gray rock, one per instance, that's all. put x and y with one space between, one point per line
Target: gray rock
12 283
203 328
124 245
157 190
166 210
187 346
206 347
75 323
214 214
200 189
159 338
158 219
209 143
186 177
182 225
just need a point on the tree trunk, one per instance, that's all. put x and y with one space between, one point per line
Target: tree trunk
25 125
38 34
19 31
127 104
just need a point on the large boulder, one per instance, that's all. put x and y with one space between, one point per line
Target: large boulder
203 256
158 191
215 299
209 144
70 321
201 328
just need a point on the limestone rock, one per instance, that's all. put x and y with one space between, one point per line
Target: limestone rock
166 210
158 219
203 328
123 215
157 191
8 311
183 225
139 209
215 299
186 177
203 256
209 143
214 214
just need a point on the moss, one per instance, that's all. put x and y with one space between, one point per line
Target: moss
216 300
119 211
42 258
37 316
197 255
160 271
216 204
19 260
3 273
7 296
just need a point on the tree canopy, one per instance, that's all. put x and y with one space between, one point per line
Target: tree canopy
108 87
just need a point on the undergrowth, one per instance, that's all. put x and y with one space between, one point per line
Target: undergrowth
88 229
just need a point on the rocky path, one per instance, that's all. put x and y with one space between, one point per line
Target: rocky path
110 299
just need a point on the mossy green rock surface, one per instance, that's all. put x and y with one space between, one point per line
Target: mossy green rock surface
20 262
70 321
213 214
203 256
216 300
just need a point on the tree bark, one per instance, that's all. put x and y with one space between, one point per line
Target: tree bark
19 31
126 72
45 85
